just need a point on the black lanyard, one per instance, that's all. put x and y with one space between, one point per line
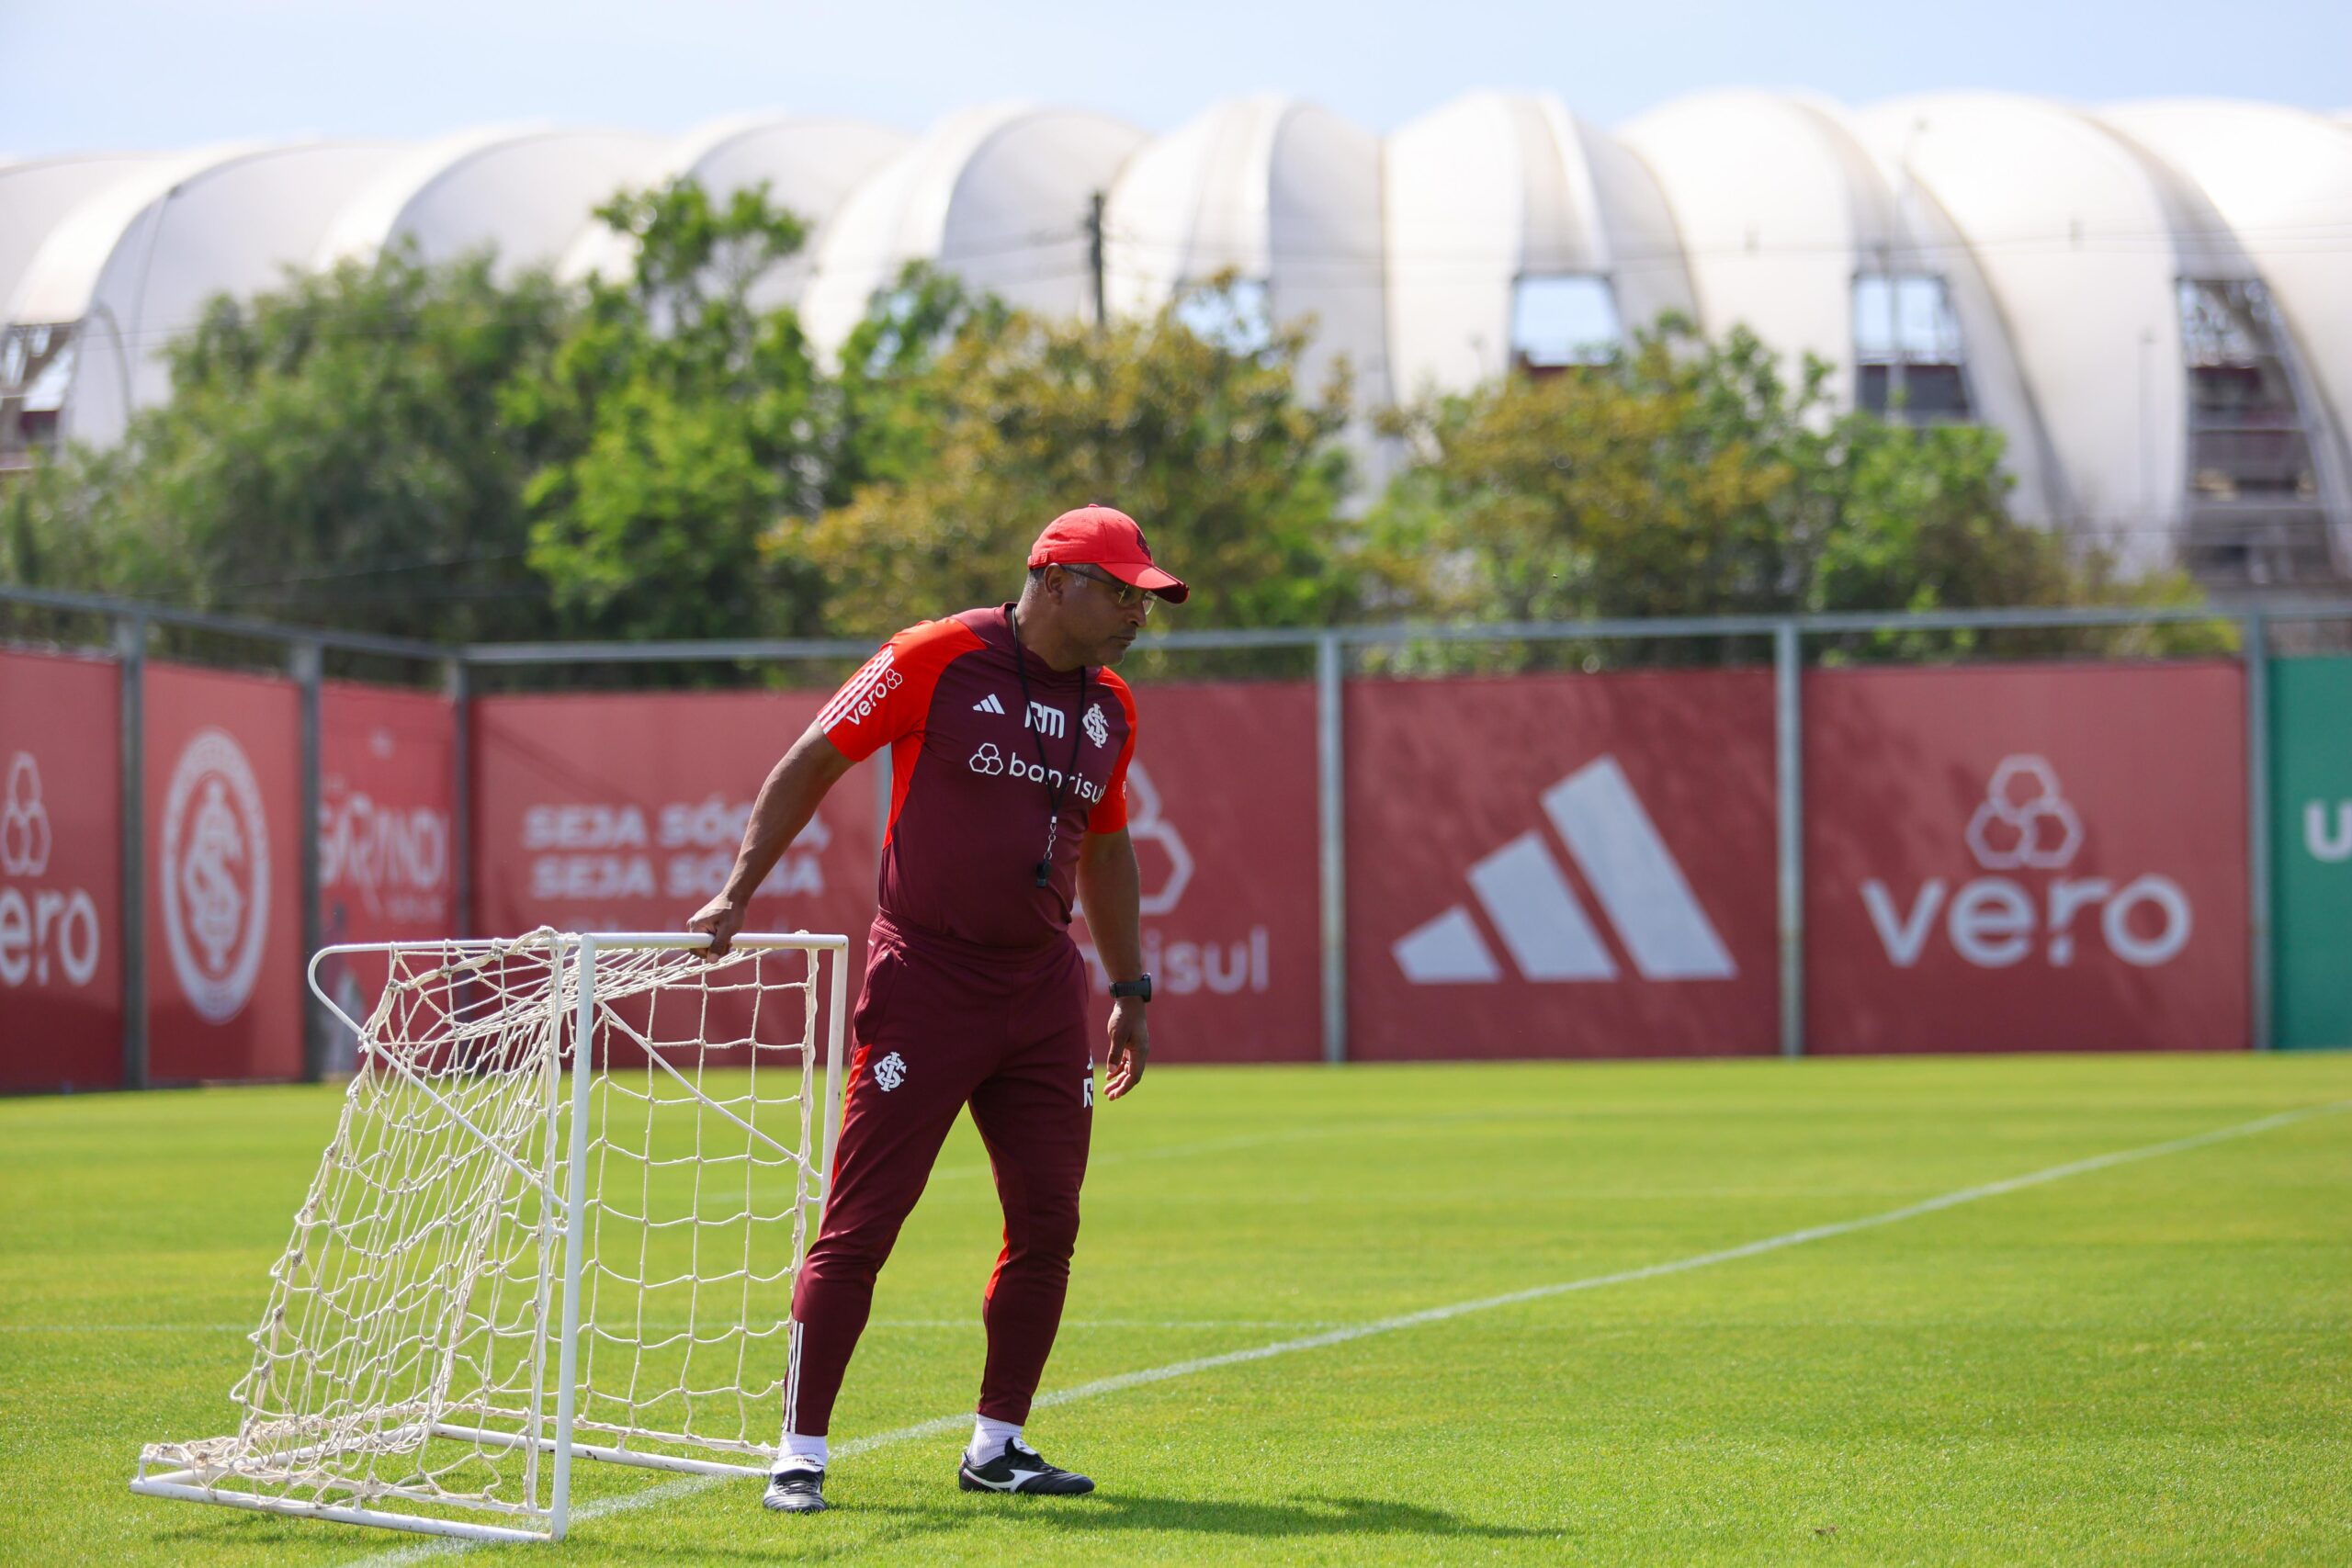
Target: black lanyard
1044 873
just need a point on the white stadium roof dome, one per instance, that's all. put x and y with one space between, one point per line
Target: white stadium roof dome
525 193
2095 249
2281 180
36 197
2153 302
810 167
130 268
1282 194
1516 231
996 194
1794 227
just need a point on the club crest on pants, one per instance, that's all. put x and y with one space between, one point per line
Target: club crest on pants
890 1072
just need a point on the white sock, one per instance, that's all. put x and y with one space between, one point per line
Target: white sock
989 1438
800 1452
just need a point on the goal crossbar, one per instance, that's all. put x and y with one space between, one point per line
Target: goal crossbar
617 1116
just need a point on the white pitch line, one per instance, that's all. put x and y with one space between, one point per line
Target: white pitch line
941 1426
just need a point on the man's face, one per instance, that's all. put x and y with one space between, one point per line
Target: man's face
1099 613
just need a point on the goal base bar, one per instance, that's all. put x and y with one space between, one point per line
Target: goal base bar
177 1485
188 1485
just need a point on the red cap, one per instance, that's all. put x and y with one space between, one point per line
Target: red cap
1107 537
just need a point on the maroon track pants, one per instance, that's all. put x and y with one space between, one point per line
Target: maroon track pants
940 1025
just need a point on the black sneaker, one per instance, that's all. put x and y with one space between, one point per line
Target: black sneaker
1019 1469
801 1490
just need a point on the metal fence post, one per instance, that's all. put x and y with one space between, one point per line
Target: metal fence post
130 650
306 662
1788 745
2258 829
458 679
1331 771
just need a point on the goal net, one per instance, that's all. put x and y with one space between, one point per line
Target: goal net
560 1218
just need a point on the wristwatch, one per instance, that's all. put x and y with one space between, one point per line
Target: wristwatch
1139 988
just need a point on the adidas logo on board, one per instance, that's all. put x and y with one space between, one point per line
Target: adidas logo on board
1550 938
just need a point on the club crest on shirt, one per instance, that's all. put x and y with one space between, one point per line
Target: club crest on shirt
1098 728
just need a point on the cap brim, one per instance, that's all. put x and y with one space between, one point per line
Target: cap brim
1168 587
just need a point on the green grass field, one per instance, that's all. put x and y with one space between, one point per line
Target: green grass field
2146 1359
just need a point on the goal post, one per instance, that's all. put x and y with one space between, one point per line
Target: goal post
560 1218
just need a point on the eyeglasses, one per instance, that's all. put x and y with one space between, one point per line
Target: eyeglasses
1127 596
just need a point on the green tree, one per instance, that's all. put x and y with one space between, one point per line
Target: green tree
675 426
966 427
1688 479
331 454
885 402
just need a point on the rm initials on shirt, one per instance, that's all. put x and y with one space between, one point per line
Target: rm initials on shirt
1047 721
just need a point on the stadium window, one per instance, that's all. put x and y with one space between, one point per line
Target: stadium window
2255 512
1557 322
1908 358
1235 314
36 367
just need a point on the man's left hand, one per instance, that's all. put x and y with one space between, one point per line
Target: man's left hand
1130 1047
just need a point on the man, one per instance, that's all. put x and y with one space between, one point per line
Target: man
1009 741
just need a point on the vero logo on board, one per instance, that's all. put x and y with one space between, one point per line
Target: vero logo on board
44 930
2025 824
1543 926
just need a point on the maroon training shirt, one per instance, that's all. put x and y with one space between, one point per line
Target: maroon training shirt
973 772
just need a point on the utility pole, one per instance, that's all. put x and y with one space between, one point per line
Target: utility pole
1897 395
1094 256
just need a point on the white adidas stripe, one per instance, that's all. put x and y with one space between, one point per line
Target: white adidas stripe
941 1426
1640 888
859 687
1549 935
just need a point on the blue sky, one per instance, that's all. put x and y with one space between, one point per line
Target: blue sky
121 73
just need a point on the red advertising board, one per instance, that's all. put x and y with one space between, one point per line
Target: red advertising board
1561 866
224 901
387 797
623 812
1221 809
60 873
2026 858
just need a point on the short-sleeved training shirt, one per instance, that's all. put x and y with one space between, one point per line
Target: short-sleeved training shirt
972 775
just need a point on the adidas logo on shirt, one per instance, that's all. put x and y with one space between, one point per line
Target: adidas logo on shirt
988 705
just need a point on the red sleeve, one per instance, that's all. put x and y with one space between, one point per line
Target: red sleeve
889 697
1109 813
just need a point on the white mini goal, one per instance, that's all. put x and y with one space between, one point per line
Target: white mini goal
559 1217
